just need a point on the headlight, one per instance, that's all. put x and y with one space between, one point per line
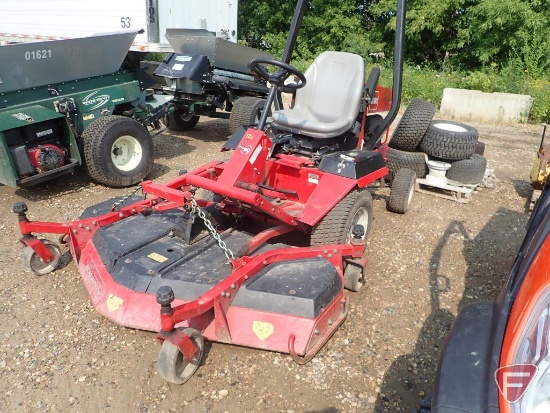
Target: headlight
530 361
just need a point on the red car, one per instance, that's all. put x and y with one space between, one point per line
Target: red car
497 356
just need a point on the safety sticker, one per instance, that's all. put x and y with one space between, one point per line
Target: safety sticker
255 154
157 257
114 303
262 329
313 179
23 116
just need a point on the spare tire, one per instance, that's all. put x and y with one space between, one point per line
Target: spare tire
480 148
415 161
413 125
402 190
449 140
468 171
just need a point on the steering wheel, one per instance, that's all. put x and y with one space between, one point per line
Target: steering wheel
278 78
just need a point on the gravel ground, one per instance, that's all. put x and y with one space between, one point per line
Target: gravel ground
58 355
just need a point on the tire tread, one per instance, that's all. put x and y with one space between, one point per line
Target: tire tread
413 125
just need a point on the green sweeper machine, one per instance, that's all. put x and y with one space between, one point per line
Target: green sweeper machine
65 102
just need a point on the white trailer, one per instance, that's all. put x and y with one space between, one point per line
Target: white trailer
31 20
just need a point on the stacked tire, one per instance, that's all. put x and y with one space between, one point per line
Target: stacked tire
418 138
406 161
457 144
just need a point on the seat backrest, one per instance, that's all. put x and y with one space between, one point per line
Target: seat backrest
333 89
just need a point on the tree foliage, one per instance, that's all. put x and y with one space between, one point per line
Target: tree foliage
467 34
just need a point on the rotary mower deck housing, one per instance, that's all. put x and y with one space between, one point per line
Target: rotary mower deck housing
63 101
261 258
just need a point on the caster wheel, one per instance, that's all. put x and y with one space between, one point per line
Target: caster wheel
33 263
171 363
353 278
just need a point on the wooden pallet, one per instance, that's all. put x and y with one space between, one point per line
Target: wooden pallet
454 191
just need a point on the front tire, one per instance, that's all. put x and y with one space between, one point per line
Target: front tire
33 263
118 151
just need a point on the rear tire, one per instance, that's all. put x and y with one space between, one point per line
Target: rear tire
118 151
246 112
180 121
449 140
336 226
413 125
402 190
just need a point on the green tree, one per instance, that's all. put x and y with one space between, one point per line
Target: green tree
495 32
327 25
469 34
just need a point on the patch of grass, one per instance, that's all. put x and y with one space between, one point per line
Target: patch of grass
428 84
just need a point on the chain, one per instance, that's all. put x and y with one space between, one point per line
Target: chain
115 206
196 209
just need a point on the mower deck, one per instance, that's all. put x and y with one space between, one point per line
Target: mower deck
286 291
143 253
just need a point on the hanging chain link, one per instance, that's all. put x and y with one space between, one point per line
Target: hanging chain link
195 208
122 200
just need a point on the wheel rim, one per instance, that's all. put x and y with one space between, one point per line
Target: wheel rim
40 267
126 153
186 117
450 127
185 368
361 217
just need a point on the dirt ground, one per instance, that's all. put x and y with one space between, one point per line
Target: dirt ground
58 355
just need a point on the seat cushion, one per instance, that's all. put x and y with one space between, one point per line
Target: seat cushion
328 104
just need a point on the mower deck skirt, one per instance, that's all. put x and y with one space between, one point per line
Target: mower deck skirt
125 264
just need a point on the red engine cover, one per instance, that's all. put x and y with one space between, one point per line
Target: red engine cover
46 157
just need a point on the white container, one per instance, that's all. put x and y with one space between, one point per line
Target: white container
32 20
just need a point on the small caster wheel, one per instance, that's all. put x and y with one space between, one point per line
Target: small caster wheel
33 263
171 363
353 278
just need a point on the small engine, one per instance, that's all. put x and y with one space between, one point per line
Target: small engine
36 148
46 157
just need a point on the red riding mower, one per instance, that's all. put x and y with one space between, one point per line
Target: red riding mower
262 260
